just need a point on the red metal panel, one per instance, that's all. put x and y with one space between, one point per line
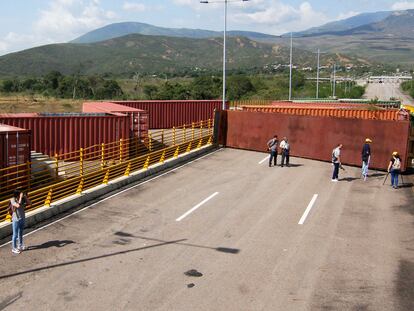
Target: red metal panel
15 146
386 114
170 113
315 137
63 134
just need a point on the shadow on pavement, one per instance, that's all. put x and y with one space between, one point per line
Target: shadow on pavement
56 243
68 263
124 235
293 165
406 185
219 249
349 179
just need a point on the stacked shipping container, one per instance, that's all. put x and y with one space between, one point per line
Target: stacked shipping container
62 134
165 114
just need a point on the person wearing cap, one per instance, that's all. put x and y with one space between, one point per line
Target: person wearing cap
394 168
366 157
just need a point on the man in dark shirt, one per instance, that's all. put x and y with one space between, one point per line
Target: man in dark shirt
272 147
366 157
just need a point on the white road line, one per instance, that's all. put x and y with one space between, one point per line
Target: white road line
267 158
114 195
196 207
308 209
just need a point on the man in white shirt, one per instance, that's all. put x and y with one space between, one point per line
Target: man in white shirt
285 147
336 161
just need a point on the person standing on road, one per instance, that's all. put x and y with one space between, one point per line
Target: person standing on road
336 161
394 168
17 206
366 157
272 147
285 147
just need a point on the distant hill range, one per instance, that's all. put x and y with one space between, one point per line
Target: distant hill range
122 29
125 48
385 37
133 53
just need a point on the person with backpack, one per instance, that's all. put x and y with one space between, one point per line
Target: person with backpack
336 161
272 147
394 168
366 157
284 145
17 205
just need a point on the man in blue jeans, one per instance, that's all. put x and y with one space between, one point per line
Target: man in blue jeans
272 147
18 204
336 161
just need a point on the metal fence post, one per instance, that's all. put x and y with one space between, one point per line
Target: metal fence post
192 131
184 136
81 162
120 149
102 156
56 165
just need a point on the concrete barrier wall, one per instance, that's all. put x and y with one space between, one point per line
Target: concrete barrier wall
315 137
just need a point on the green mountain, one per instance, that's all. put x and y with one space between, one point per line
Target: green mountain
127 28
152 54
345 24
390 40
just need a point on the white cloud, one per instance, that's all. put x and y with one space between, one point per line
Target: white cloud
403 5
66 19
279 17
133 6
61 21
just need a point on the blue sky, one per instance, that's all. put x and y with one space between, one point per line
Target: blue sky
29 23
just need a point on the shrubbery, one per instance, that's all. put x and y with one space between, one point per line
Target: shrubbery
57 85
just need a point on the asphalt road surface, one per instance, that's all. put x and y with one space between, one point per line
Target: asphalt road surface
237 223
385 91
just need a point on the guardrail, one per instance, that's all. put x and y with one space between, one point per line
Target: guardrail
67 174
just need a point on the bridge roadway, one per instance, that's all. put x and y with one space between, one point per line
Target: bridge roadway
385 91
354 250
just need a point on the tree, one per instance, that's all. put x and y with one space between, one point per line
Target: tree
238 87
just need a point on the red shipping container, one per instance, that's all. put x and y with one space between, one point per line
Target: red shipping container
64 133
15 145
14 159
139 117
169 113
389 114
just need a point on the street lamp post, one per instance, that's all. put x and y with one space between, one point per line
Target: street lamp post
317 76
224 43
290 69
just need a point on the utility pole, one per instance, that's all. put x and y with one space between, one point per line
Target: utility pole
290 68
334 80
317 77
224 43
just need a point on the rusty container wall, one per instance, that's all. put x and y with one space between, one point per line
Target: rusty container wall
170 113
315 137
388 114
63 134
333 105
139 118
14 150
15 145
